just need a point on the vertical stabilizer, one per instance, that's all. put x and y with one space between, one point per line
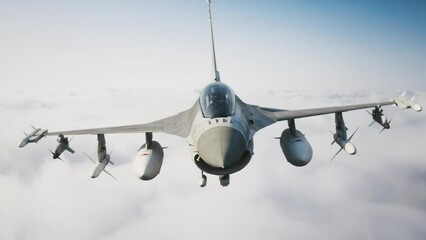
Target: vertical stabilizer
215 73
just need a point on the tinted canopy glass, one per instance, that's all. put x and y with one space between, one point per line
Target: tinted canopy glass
217 100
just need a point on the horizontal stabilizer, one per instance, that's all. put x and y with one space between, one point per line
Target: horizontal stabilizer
336 154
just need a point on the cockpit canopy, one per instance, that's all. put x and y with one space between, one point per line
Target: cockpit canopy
217 100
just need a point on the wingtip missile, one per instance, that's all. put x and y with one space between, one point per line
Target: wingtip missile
33 137
417 107
23 143
404 103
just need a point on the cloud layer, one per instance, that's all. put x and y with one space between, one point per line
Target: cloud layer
378 194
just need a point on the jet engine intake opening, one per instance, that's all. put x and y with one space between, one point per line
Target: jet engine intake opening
203 166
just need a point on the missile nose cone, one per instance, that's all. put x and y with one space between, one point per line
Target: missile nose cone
350 148
417 107
99 167
23 143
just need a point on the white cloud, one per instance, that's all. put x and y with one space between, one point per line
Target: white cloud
377 195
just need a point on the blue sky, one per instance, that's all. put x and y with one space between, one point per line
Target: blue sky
290 44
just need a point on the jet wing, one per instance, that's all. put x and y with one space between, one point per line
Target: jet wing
281 115
179 125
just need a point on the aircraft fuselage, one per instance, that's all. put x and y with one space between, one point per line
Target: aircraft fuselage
222 145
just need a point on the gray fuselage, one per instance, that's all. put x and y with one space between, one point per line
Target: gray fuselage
222 145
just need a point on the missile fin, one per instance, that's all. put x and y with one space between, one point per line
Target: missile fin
353 134
70 149
336 153
91 159
109 174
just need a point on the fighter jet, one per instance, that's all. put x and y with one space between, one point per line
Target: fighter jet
220 129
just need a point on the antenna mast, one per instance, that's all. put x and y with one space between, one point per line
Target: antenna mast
215 73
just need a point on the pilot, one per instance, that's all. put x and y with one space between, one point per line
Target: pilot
217 102
217 98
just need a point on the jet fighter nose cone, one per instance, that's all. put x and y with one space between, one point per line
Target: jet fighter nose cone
222 146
